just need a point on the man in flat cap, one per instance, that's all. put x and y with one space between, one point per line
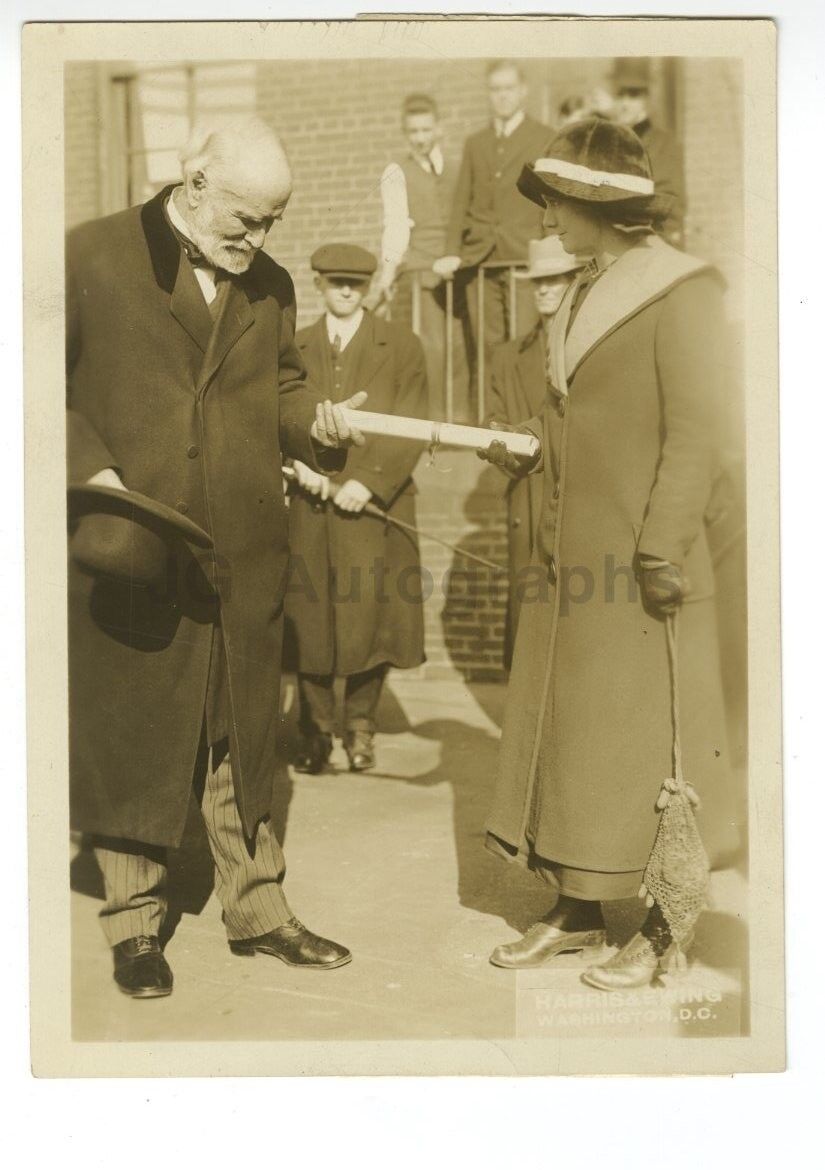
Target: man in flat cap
354 596
183 387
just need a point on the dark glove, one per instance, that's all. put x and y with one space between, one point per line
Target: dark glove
663 586
497 453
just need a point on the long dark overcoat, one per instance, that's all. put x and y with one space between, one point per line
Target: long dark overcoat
629 458
516 393
196 418
354 593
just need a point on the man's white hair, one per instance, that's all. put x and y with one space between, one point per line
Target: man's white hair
215 145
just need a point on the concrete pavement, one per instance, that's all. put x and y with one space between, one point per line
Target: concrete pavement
392 864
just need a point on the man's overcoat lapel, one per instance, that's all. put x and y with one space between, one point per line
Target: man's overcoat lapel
187 305
530 373
373 356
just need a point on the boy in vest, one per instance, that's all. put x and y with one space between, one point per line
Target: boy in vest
416 195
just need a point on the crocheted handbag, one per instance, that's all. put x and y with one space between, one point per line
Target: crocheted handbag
676 874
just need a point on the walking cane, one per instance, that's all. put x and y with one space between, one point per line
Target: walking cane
373 510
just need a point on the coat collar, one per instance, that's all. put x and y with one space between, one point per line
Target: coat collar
373 355
530 368
165 251
186 303
639 277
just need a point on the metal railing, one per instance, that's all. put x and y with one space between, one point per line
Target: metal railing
478 374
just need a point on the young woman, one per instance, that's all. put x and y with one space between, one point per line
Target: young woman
628 432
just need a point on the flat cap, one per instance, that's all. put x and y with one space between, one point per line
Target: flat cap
343 260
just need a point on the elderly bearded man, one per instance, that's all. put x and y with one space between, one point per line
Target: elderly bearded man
184 386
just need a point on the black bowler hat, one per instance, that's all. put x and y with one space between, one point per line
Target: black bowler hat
343 260
126 535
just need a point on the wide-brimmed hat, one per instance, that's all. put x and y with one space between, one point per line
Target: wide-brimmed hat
125 534
595 161
343 260
547 257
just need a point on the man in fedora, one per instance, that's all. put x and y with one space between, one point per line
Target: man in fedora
183 387
354 602
516 392
631 85
488 225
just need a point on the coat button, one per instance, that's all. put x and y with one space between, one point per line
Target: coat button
517 522
561 406
182 506
193 452
498 174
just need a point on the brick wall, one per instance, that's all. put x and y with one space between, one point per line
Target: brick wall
460 499
340 124
711 115
82 177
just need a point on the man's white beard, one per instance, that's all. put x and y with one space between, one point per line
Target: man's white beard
225 256
217 252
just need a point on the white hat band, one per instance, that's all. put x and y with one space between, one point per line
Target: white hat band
635 184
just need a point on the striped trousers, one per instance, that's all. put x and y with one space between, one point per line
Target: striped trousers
248 878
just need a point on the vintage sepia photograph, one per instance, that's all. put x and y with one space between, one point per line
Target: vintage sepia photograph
412 680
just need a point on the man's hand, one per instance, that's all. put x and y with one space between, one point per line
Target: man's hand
663 586
331 429
108 477
446 266
498 454
352 496
311 481
379 296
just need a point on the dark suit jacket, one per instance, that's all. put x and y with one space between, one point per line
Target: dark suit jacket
491 220
197 418
374 616
516 393
668 167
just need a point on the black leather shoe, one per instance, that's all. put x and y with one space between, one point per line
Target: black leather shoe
314 756
360 750
140 968
295 945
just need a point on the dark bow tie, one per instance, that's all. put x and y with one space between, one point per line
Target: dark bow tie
193 253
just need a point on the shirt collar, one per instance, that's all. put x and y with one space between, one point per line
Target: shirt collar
183 233
343 327
510 125
434 163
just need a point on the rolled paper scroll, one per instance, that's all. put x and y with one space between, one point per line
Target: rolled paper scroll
440 434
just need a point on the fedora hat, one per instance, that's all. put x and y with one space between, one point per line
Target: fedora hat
547 257
126 535
594 161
